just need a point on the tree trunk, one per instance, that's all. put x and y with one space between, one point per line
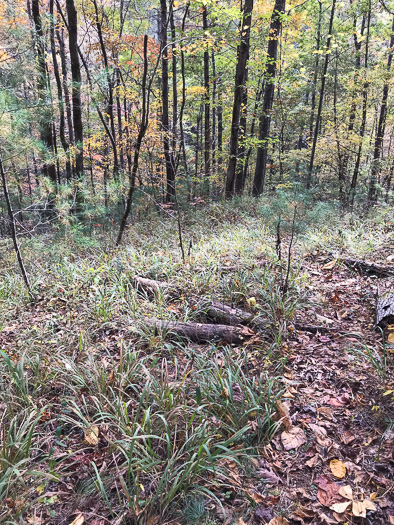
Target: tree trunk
43 84
110 105
378 147
315 71
202 333
76 85
170 168
269 90
321 98
239 92
59 86
13 229
207 109
353 185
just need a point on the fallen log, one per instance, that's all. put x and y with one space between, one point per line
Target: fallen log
202 333
151 287
223 313
368 268
314 329
385 309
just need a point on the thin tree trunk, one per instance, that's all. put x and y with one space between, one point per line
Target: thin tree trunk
170 171
315 70
353 185
269 91
110 105
239 93
146 89
241 156
321 98
63 60
59 86
207 108
378 146
48 169
13 229
76 85
182 132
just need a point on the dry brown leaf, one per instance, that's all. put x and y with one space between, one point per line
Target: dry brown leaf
240 521
360 508
338 468
321 435
92 435
78 520
328 492
278 520
347 437
391 520
330 265
346 492
154 520
284 414
313 461
340 507
293 438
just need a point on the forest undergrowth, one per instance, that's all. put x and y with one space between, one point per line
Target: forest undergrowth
107 419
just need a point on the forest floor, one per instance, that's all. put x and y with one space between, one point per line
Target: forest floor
106 420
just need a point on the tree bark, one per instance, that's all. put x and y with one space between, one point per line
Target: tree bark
169 160
207 108
269 90
43 84
353 185
378 146
239 91
76 85
202 333
321 98
59 86
13 229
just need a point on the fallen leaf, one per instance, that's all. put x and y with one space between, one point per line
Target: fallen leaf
391 337
91 435
360 508
347 437
338 468
78 520
284 414
346 492
321 435
330 265
268 476
240 521
293 438
313 461
328 492
278 520
340 507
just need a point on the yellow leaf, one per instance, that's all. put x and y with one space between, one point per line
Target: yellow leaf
40 489
391 337
252 301
338 468
91 435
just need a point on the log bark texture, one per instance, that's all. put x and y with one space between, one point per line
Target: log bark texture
369 268
151 287
202 333
385 309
